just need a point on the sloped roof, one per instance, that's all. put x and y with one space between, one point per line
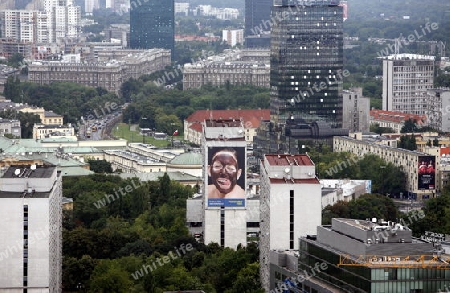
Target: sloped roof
251 118
397 117
188 159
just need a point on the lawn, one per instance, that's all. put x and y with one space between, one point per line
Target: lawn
122 130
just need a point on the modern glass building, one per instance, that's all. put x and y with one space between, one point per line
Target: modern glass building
307 62
257 22
369 257
152 24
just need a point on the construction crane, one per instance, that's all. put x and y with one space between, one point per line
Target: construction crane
434 261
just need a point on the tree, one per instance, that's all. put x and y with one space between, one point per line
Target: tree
364 207
409 127
100 166
108 276
408 142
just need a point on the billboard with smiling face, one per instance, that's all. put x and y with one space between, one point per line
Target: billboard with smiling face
226 177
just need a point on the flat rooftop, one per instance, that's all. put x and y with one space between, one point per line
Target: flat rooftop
287 160
29 172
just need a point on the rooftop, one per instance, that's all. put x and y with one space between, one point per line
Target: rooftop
287 160
29 172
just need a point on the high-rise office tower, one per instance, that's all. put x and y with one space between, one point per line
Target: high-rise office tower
152 24
257 23
307 62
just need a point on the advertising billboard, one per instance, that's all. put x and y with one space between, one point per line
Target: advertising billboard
226 177
427 172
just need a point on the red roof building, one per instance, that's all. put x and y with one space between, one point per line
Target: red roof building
395 120
251 120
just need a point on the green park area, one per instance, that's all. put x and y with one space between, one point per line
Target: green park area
131 134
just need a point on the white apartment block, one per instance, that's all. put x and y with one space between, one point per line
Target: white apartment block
31 230
406 78
182 8
356 110
291 205
406 159
233 37
30 26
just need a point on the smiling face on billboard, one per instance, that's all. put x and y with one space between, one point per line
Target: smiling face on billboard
224 173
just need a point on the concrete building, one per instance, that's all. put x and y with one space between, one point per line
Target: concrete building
182 8
31 229
406 79
370 256
233 37
106 74
11 127
41 131
291 205
355 110
438 109
334 190
225 195
236 67
193 125
409 161
28 26
395 120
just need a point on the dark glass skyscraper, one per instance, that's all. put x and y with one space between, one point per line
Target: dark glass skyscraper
152 24
257 23
306 77
307 61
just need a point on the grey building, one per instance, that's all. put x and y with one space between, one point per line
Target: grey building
356 111
11 127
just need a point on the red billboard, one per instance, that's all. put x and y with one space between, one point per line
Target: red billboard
427 172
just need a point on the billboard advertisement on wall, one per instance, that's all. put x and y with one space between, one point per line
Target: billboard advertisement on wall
225 172
427 172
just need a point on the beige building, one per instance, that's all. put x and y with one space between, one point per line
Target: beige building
408 160
109 75
236 67
47 117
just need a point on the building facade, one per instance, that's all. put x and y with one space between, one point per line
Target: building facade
356 110
395 120
257 18
373 256
438 109
291 205
152 25
31 228
307 62
409 161
233 37
11 127
106 74
406 79
250 66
